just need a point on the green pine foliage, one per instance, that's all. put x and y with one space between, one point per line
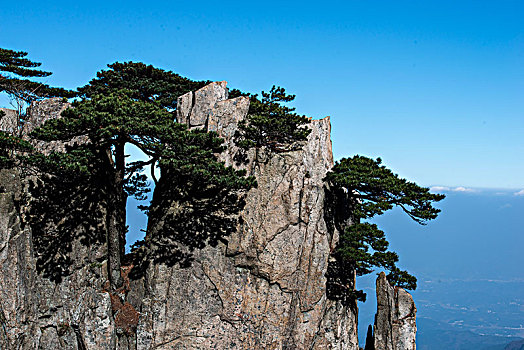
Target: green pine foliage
357 241
108 122
270 123
113 120
143 82
373 189
15 71
132 103
379 189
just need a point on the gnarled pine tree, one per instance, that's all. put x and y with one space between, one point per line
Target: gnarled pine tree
16 72
270 123
373 189
122 107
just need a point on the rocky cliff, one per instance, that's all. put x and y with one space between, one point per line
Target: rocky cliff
37 311
395 321
265 288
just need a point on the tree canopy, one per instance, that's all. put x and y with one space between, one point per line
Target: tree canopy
272 124
16 72
378 189
372 189
143 83
122 106
196 198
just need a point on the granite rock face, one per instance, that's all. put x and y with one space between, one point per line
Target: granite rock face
18 309
395 322
195 106
265 288
35 311
8 120
40 112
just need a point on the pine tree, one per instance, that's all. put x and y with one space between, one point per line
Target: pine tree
143 82
270 123
15 73
121 107
373 189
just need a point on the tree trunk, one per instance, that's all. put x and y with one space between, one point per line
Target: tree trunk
113 247
116 224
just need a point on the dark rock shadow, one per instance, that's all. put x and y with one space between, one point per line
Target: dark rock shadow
63 211
186 214
340 275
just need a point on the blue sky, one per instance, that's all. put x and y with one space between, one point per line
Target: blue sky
434 88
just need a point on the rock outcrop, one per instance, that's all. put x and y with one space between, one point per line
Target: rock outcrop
265 288
37 311
395 322
8 120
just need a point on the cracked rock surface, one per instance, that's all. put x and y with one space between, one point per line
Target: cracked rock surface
263 289
35 312
395 322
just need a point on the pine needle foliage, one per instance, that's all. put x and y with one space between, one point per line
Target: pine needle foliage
113 120
373 189
133 103
16 69
144 83
378 189
272 124
16 74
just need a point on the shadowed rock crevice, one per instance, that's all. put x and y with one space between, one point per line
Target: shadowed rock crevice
341 277
78 222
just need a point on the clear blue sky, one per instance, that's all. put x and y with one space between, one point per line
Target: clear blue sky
434 88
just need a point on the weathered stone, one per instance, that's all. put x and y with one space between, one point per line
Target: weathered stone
266 288
8 121
37 114
41 111
263 289
395 322
204 101
18 309
223 120
37 313
194 108
184 105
